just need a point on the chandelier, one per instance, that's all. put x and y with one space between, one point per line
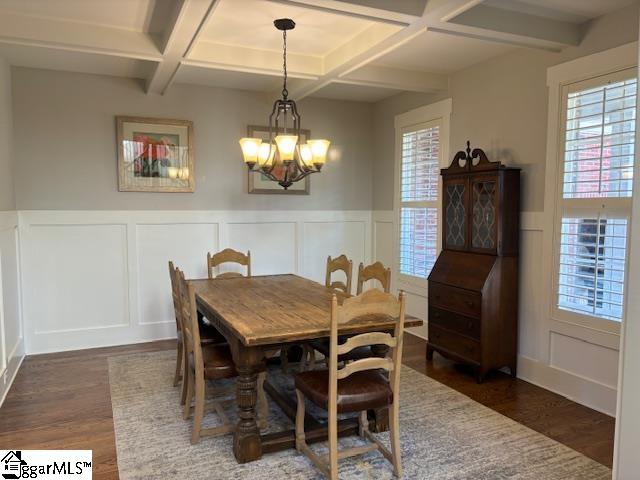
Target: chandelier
284 159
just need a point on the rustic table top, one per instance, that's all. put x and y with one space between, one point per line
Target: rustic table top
276 309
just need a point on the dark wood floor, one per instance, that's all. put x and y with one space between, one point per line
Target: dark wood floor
62 401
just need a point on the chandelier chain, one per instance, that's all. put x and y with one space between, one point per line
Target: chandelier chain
285 92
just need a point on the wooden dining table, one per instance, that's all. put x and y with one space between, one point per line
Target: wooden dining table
262 314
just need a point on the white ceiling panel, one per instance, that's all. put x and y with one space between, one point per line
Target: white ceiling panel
227 79
138 15
249 23
356 93
67 60
440 53
577 11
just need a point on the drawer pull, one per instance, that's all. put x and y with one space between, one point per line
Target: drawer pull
470 326
469 303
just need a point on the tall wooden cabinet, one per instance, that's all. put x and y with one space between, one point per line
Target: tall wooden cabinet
473 286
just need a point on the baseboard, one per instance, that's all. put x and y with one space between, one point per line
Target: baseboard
590 393
15 361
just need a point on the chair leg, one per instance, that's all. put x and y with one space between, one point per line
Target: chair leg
394 435
363 424
178 374
284 360
199 410
185 377
304 360
263 403
312 358
333 444
300 437
189 396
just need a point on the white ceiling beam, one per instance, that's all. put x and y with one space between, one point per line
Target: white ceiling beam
242 59
398 79
508 26
186 21
397 12
19 29
359 52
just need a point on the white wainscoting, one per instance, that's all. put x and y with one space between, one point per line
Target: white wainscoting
11 337
99 278
581 365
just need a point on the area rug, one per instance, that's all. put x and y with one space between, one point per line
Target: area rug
444 435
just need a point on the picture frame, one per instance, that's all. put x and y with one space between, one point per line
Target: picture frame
259 184
155 155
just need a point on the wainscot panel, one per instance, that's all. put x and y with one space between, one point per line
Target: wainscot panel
11 338
99 278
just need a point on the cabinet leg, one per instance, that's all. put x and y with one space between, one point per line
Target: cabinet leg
512 370
480 376
429 353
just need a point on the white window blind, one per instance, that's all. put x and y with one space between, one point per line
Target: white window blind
419 173
600 136
599 149
592 260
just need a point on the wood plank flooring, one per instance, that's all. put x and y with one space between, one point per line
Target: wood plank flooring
62 401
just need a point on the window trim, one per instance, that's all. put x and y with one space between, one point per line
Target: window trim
560 79
616 207
428 115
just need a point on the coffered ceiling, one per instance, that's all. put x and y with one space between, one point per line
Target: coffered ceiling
357 49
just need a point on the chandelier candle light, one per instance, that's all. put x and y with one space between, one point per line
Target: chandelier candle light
283 148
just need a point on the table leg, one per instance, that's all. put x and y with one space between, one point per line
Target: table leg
247 445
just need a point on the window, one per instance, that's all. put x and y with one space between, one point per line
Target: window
595 195
419 175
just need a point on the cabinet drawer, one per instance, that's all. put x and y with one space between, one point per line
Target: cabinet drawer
459 300
459 345
452 321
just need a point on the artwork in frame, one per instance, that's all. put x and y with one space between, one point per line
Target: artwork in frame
155 155
259 183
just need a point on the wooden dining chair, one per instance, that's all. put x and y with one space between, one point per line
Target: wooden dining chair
208 362
358 386
375 271
343 264
208 334
228 255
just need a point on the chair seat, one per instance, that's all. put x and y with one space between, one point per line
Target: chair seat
324 347
218 362
360 391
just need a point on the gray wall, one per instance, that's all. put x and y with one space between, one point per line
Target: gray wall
65 145
501 106
7 198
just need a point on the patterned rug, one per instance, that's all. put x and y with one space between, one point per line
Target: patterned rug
444 435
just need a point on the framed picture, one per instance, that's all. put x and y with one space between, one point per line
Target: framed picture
155 155
259 183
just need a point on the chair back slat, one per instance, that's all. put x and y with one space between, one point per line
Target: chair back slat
366 339
375 271
228 255
343 264
372 363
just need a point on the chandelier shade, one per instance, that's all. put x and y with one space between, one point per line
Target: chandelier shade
283 148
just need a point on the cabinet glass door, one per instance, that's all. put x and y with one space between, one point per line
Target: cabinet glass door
455 214
484 197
